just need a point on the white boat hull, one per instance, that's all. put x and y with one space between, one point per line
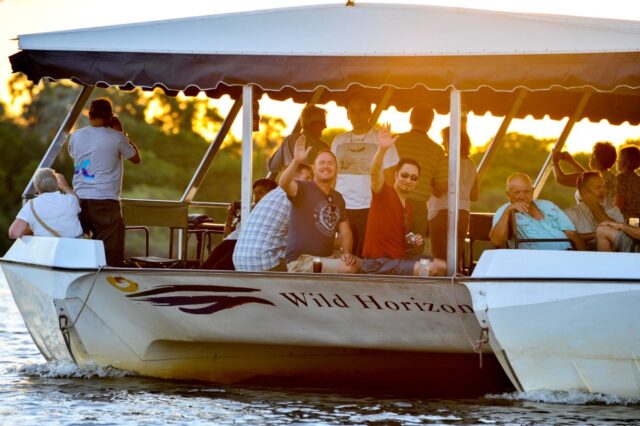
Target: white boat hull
564 334
235 327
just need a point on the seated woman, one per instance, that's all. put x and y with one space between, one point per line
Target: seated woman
628 182
51 214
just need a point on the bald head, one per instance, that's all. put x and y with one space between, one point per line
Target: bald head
519 188
518 179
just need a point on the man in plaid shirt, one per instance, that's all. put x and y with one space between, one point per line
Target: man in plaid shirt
263 238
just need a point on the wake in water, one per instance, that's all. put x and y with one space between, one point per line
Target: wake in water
563 397
65 369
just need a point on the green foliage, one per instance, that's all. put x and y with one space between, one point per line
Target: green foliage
21 153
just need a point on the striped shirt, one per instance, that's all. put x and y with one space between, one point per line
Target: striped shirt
263 237
418 146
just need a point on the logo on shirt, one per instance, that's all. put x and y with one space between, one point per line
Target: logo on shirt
82 168
325 217
355 158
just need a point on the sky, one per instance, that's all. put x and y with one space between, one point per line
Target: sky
31 16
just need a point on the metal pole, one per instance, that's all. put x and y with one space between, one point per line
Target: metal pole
453 182
212 151
546 168
381 106
247 150
58 141
497 139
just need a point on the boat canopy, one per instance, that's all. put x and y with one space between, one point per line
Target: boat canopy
421 52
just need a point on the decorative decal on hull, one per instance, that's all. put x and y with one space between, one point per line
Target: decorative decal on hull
172 295
123 284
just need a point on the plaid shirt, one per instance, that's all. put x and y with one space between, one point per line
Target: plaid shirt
263 237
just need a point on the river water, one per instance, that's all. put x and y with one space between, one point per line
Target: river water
33 391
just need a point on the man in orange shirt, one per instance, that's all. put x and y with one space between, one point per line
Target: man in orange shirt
390 217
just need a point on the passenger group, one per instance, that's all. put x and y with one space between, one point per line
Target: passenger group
360 205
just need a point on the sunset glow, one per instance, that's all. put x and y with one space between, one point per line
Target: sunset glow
31 16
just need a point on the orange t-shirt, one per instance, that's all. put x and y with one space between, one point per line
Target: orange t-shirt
388 223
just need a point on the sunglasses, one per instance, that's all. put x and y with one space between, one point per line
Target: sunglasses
405 175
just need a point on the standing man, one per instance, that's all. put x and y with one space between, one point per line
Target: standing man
313 120
534 219
354 151
97 151
317 212
417 144
385 247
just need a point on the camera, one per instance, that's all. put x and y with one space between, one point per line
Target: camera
114 123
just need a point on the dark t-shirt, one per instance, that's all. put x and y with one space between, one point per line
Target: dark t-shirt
388 223
314 220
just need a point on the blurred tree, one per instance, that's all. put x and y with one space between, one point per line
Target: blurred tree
21 154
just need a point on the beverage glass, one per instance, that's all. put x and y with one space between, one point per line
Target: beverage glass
317 265
634 221
424 268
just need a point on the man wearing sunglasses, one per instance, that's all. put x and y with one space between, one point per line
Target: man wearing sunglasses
387 238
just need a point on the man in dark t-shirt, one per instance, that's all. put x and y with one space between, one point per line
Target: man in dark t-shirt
317 213
390 219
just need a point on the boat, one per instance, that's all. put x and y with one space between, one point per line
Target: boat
505 327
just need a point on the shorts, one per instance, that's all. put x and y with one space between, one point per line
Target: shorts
625 243
304 263
388 266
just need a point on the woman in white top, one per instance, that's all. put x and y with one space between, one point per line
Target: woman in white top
51 213
438 203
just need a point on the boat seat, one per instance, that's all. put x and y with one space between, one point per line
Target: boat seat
480 225
141 214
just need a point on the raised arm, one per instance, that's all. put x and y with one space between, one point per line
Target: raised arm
136 157
385 141
117 125
566 179
64 186
287 179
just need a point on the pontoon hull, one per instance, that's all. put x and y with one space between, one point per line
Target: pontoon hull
565 334
399 333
